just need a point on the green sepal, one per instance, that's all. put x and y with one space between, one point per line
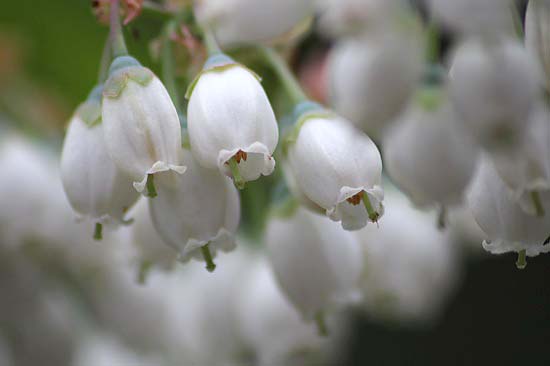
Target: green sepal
90 113
216 68
292 135
118 81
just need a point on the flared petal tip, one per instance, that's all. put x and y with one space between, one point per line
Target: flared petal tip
246 164
158 167
357 206
224 240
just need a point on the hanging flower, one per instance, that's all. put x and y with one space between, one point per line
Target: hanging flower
372 79
427 154
96 188
526 169
406 261
316 263
493 87
251 21
197 213
231 124
141 125
337 167
499 215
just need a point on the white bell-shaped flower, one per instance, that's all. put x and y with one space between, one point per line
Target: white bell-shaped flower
151 251
251 21
427 153
526 169
198 214
337 167
355 17
410 267
271 326
500 216
537 35
316 263
141 124
371 80
231 124
493 87
486 18
95 186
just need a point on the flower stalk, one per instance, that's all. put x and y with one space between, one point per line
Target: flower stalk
287 79
116 37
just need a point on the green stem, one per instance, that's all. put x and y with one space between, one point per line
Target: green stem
373 215
117 38
322 329
150 186
432 43
98 231
237 178
442 218
286 77
521 263
212 46
105 62
168 64
539 208
210 265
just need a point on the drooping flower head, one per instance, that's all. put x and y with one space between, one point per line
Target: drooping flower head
231 124
141 124
95 186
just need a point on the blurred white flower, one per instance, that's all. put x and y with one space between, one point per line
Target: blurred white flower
95 187
355 17
141 125
537 35
103 349
428 155
232 126
337 167
251 21
316 263
151 250
271 327
371 79
493 87
500 216
526 169
198 214
486 18
407 262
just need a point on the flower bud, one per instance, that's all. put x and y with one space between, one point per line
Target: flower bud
427 154
499 215
406 261
493 87
198 214
316 263
537 35
94 185
231 124
141 125
337 167
251 21
371 80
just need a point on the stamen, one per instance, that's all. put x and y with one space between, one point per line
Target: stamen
240 155
356 199
210 265
98 231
